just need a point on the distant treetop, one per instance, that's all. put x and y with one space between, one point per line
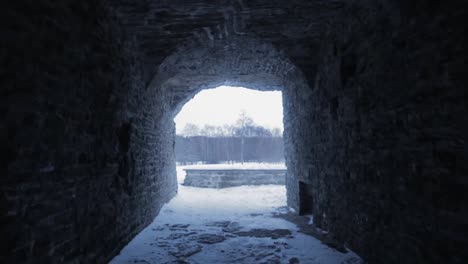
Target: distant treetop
244 127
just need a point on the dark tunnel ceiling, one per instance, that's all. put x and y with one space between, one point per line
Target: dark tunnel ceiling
159 26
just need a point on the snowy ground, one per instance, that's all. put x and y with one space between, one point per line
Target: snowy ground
231 225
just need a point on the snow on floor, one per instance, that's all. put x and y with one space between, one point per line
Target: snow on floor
231 225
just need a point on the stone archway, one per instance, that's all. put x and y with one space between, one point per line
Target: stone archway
235 61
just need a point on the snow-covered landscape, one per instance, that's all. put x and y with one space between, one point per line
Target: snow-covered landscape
230 225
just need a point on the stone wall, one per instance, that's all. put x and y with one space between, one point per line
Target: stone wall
80 171
232 178
383 139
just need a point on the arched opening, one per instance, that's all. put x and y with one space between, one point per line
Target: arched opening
226 139
220 214
229 125
236 61
241 62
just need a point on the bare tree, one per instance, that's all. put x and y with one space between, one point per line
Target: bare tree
191 130
276 132
244 125
208 131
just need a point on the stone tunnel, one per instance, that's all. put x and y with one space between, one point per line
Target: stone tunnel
375 116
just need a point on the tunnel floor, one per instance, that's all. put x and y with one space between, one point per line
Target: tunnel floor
231 225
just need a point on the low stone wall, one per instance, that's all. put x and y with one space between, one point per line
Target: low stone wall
231 178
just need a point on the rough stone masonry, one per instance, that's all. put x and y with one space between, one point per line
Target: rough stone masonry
375 103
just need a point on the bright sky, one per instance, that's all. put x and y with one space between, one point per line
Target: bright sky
223 105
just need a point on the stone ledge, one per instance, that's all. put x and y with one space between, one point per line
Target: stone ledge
218 178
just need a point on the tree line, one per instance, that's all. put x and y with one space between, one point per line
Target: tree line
243 142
